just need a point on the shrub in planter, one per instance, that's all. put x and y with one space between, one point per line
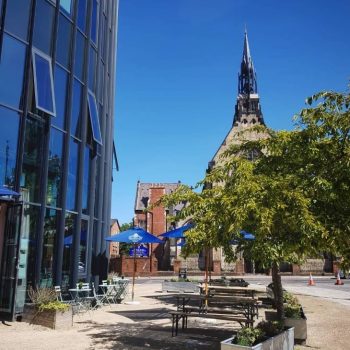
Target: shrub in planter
266 335
46 310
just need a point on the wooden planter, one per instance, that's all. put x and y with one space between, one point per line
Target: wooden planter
282 341
48 318
182 287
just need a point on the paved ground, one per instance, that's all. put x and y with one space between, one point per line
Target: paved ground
147 326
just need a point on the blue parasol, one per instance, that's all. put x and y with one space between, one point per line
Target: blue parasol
4 191
177 233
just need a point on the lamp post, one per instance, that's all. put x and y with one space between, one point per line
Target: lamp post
150 246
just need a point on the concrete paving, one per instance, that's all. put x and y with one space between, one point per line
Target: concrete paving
148 326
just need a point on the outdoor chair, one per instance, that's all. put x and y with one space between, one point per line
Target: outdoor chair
98 298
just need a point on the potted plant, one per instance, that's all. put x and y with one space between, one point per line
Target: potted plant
268 335
294 317
46 310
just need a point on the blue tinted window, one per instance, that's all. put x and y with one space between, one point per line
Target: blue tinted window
61 78
9 122
72 174
92 68
95 123
66 5
32 159
43 83
86 180
81 19
44 15
63 41
17 16
94 21
76 108
79 56
54 175
11 71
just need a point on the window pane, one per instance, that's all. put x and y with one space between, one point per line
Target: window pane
72 174
44 15
76 108
17 16
94 21
92 68
27 253
79 56
11 71
50 232
32 160
68 241
86 180
66 5
95 123
9 121
61 78
63 41
82 246
81 20
54 176
43 83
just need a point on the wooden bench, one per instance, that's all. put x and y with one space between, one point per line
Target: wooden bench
217 314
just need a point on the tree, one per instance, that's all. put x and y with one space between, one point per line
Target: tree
291 196
124 248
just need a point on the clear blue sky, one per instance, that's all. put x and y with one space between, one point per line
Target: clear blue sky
176 84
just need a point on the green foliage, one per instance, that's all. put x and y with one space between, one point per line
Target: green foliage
248 336
270 328
124 248
54 305
292 309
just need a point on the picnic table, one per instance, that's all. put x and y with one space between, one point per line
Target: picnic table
240 309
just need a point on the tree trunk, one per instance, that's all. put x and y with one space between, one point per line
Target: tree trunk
277 290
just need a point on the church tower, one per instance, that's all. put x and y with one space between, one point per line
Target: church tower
247 110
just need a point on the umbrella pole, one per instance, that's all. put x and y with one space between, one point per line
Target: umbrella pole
133 275
206 274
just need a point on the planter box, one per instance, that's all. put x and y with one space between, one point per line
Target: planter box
299 324
48 318
282 341
183 287
300 329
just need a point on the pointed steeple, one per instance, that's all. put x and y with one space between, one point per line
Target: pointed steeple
247 77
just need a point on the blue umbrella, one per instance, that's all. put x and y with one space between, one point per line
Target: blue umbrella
134 235
177 233
69 239
246 236
7 192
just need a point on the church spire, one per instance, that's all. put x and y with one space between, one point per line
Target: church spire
247 78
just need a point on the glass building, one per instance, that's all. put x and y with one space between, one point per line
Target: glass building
57 68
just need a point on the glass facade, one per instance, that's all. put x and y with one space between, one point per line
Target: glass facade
52 148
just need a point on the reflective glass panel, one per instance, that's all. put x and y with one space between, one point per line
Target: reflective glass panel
54 176
79 56
94 21
72 174
9 121
95 123
50 232
17 16
69 229
82 246
81 20
43 24
32 160
86 180
61 78
76 108
66 5
92 68
63 41
11 71
43 83
27 253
